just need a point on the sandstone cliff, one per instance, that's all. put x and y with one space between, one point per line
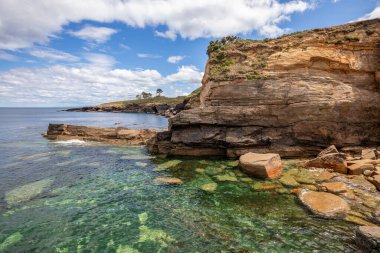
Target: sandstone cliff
293 95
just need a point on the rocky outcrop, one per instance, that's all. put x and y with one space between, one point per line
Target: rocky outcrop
163 106
261 165
325 205
293 95
119 135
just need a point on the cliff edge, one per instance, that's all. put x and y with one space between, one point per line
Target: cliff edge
293 95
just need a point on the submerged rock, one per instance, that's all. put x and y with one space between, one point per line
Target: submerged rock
289 181
210 187
168 180
167 165
10 240
261 165
325 205
26 192
368 238
227 177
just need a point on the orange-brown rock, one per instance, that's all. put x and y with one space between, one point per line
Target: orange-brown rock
335 161
375 180
168 180
325 205
335 187
292 95
359 168
261 165
119 135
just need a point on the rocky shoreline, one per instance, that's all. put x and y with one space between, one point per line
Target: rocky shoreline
333 185
263 101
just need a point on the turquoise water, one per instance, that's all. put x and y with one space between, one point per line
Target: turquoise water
62 197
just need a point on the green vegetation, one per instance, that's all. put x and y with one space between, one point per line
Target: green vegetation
151 100
218 44
351 38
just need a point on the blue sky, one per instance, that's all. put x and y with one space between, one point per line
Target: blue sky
74 53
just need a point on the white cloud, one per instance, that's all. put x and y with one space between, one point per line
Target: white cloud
61 85
175 58
25 22
372 15
7 56
185 74
124 46
94 34
53 55
152 56
100 60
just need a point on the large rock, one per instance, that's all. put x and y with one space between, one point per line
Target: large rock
289 96
359 168
325 205
368 239
335 187
330 150
335 161
119 135
261 165
369 154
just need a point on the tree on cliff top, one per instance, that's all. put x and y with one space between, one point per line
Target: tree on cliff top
159 92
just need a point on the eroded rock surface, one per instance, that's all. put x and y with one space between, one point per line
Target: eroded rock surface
293 96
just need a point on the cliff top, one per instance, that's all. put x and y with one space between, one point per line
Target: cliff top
232 58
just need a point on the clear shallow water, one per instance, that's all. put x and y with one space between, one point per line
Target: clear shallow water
61 197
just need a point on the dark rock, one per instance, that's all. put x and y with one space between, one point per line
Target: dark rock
368 238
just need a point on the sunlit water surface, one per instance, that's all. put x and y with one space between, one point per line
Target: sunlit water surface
80 197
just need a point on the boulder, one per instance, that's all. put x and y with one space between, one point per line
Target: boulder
330 150
359 168
368 238
369 154
335 187
325 205
335 161
261 165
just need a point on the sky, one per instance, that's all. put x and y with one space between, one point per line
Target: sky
66 53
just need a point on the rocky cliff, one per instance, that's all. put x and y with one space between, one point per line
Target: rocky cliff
293 95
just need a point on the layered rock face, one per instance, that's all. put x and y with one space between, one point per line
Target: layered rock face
293 95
